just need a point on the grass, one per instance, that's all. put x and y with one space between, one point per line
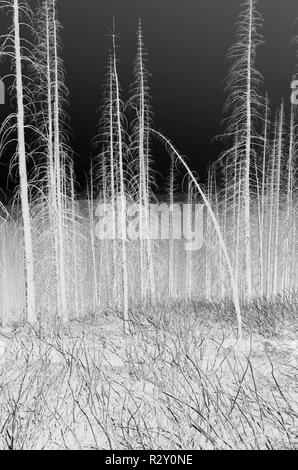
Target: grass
176 382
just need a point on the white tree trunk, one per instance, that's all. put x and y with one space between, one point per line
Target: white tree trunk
122 196
28 248
247 235
59 183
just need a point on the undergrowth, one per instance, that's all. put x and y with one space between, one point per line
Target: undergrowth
176 381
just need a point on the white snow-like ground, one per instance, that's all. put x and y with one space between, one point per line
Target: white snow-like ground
180 386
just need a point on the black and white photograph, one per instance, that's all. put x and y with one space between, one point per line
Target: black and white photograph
148 227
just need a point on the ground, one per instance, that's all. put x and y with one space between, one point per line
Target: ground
177 381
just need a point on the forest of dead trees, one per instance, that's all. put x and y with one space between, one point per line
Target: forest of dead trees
52 263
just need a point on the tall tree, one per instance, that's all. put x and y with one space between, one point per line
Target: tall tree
140 102
16 48
244 108
50 95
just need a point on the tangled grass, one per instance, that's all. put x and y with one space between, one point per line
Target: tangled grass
177 381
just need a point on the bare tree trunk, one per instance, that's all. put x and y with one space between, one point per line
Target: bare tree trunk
122 196
59 182
247 235
28 247
277 200
171 236
270 268
189 253
217 229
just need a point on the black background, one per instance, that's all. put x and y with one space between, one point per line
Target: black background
187 41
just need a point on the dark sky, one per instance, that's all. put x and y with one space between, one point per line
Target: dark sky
187 41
